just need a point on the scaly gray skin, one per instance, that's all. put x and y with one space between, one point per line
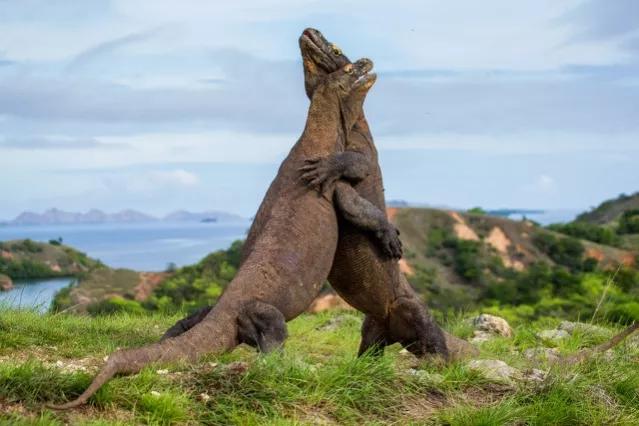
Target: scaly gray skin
289 260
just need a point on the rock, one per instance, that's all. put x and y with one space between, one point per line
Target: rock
162 372
535 375
495 370
581 327
542 354
553 335
434 378
459 349
480 337
5 283
492 324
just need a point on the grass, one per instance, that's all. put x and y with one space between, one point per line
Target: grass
315 380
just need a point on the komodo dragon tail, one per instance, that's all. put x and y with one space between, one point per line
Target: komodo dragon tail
215 334
585 353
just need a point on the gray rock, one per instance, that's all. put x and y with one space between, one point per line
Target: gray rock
542 354
553 335
495 370
493 324
581 327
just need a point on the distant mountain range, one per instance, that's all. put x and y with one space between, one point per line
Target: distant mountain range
60 217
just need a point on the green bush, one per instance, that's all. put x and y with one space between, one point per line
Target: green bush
567 251
629 222
114 305
625 312
198 285
587 231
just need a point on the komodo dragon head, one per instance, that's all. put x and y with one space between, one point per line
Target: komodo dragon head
320 58
345 89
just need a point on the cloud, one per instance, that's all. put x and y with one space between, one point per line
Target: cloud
149 184
92 53
601 19
56 143
543 184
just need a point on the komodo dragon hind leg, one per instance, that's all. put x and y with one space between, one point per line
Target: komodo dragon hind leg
262 326
373 338
187 323
412 326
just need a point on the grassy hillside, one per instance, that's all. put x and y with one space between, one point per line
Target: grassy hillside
614 222
21 259
610 210
316 380
460 260
456 260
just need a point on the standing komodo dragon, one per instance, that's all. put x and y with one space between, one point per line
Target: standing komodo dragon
365 276
289 260
360 274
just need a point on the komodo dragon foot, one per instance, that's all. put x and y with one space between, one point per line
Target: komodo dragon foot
260 325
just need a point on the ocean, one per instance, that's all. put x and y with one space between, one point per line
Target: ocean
141 246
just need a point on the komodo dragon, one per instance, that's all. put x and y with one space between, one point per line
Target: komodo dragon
365 279
362 274
289 261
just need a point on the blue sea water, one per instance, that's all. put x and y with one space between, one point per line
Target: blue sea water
36 294
143 247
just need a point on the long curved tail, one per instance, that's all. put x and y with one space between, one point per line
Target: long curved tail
217 333
618 338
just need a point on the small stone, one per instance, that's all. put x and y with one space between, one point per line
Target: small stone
426 376
493 324
106 358
404 351
155 393
582 327
213 364
553 335
59 364
237 367
162 372
535 375
480 337
495 370
542 354
204 396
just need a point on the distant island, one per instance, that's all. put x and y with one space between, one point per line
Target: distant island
56 216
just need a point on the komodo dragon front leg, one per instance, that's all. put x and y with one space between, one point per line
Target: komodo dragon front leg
321 173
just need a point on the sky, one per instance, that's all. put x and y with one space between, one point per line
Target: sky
159 105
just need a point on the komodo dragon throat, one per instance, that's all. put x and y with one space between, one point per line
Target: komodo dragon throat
290 258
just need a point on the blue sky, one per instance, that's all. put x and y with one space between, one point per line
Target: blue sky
159 105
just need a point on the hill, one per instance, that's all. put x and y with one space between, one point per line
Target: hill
24 259
316 379
610 210
460 260
94 216
614 222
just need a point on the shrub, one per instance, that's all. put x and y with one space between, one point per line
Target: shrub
587 231
114 305
629 222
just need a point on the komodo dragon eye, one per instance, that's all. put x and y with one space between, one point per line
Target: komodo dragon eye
336 50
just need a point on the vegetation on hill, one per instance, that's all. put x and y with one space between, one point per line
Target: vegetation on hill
457 261
610 210
316 379
615 223
26 259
